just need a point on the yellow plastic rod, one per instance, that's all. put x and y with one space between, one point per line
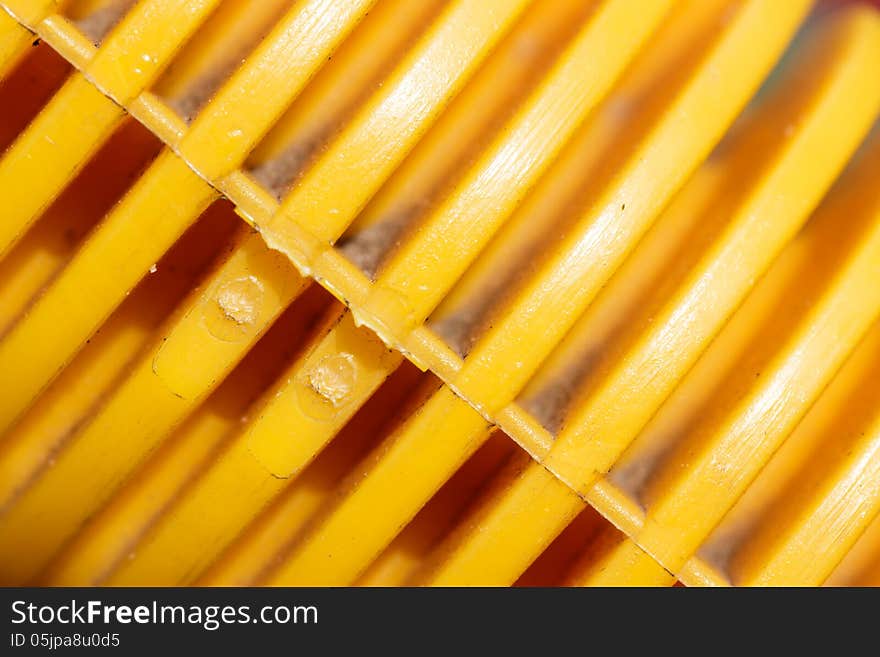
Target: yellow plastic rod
337 90
31 12
164 202
14 42
137 50
377 139
131 239
817 495
861 567
763 373
397 565
110 535
565 505
678 312
77 121
614 560
803 537
399 477
451 238
572 274
56 144
42 253
311 560
228 38
254 552
469 124
525 509
208 334
253 99
296 419
733 219
78 391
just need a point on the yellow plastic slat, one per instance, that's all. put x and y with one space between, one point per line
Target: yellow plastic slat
109 536
802 538
732 220
228 37
616 217
164 202
499 531
130 221
805 550
252 100
401 560
78 391
389 124
31 12
205 338
295 421
506 217
763 372
42 253
523 514
818 494
51 151
398 478
14 42
473 117
80 117
614 560
143 44
338 88
861 567
449 239
250 557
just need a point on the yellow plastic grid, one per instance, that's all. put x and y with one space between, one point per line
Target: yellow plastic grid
694 67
